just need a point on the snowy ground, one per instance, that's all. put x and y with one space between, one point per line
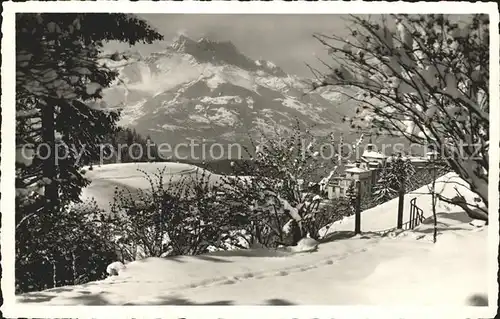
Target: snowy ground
384 216
131 176
399 269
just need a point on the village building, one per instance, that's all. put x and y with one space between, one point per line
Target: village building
431 155
372 156
339 185
367 171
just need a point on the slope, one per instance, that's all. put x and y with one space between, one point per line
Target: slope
131 176
366 269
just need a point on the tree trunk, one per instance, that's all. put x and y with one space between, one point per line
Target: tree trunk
47 153
73 267
54 275
473 213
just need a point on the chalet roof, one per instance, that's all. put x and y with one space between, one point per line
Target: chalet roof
418 159
356 170
373 154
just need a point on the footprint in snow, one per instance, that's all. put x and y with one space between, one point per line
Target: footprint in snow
229 282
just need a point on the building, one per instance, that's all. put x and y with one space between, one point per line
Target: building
431 155
362 174
339 185
372 156
418 162
367 173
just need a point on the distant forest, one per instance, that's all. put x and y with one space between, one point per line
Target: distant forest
120 150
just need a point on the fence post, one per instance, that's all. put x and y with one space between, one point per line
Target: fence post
357 220
412 215
401 203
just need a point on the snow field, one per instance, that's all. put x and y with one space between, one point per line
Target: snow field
402 268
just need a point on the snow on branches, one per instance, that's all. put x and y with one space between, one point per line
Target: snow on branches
276 183
422 77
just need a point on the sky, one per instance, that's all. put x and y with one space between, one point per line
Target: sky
285 40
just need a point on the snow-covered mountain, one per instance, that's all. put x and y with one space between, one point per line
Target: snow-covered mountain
209 90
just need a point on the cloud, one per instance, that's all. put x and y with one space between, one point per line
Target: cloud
182 31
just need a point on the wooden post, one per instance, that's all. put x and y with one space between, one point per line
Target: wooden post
401 203
357 220
412 223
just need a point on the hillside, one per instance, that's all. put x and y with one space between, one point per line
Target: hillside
383 216
404 268
104 179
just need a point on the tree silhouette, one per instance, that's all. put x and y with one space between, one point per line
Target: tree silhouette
59 77
423 77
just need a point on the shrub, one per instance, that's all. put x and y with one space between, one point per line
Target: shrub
174 217
269 187
327 214
60 248
400 171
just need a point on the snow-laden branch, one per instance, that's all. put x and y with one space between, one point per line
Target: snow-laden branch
421 77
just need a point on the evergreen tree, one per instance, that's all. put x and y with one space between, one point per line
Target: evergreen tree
397 173
125 145
59 129
58 78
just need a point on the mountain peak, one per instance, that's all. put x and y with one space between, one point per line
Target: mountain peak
206 50
180 42
190 46
204 89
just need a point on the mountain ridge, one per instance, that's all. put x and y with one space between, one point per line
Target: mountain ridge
209 90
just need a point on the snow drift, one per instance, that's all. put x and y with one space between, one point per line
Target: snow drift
404 269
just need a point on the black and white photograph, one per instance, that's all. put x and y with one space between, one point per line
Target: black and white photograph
223 158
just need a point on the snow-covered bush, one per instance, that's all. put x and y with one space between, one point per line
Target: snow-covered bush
115 268
173 217
401 170
332 211
422 77
270 189
61 248
232 240
396 173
